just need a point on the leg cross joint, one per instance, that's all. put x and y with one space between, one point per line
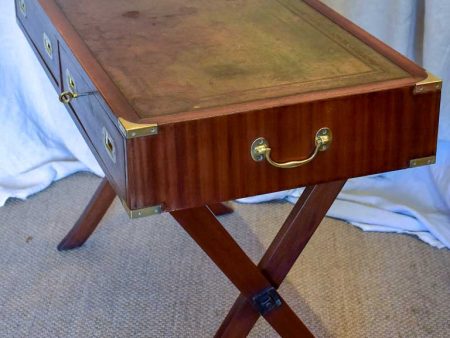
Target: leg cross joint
267 300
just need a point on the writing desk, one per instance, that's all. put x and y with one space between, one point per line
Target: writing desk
187 104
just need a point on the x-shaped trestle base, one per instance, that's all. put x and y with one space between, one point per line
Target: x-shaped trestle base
257 283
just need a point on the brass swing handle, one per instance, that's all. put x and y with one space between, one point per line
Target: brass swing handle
260 150
67 96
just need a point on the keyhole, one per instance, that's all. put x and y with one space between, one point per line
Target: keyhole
23 7
109 145
48 46
72 84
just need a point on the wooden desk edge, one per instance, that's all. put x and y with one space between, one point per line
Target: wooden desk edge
122 108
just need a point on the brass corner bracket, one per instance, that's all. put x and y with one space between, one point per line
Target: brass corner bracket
419 162
133 130
138 213
431 84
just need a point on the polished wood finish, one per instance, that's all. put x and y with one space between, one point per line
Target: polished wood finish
96 209
373 133
287 69
290 241
202 156
89 112
220 209
209 234
90 218
281 255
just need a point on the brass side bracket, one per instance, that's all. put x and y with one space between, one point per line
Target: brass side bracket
133 130
138 213
419 162
431 84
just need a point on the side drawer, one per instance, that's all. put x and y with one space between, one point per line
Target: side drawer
195 162
40 31
90 114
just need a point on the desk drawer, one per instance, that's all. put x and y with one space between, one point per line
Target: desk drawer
42 35
209 160
90 114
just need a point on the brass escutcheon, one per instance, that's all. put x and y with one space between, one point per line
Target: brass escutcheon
108 143
48 45
23 7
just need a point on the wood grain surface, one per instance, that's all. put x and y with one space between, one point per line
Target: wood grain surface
282 253
192 163
223 250
90 218
202 155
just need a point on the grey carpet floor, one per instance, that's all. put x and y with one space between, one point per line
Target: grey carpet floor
147 278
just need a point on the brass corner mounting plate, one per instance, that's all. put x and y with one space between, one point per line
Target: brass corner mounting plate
133 130
419 162
431 84
138 213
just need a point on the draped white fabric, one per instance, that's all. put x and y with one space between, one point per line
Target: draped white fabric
418 29
40 143
415 201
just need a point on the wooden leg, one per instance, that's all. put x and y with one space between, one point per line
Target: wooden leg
96 209
294 235
258 284
90 218
220 209
206 230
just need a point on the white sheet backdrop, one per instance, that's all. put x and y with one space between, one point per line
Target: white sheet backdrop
415 201
40 144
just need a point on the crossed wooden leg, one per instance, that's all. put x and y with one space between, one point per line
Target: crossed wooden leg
91 217
258 284
96 209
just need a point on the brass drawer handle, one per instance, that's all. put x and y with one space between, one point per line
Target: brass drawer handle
66 97
260 150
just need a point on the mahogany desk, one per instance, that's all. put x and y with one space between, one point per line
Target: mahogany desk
186 104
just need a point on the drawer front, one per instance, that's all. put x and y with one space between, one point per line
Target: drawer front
209 160
90 114
42 35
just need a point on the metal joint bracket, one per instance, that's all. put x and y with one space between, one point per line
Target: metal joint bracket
431 84
267 300
419 162
138 213
133 130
